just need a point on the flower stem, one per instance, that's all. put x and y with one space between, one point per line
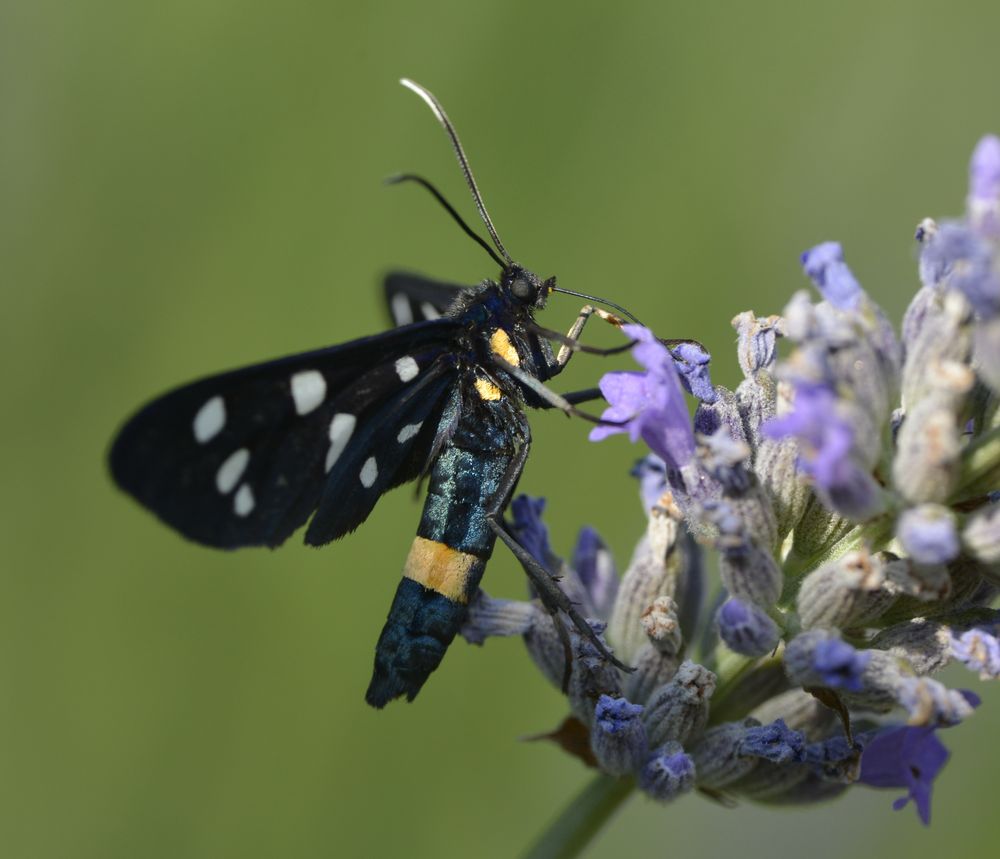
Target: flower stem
981 466
582 819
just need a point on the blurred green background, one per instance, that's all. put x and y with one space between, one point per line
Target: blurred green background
190 186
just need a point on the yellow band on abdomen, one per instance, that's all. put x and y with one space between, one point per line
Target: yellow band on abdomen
440 568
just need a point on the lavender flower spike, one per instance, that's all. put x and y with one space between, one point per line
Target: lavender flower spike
825 265
650 404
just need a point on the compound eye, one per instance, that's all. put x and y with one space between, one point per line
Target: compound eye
523 289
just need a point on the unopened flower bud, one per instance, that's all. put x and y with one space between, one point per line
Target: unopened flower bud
775 742
800 711
717 756
660 623
667 773
679 710
592 675
776 468
757 345
768 780
822 658
726 460
653 572
983 202
545 646
979 651
594 566
928 444
922 582
928 534
653 668
749 571
981 535
931 703
879 684
618 737
924 645
945 334
489 617
844 592
747 629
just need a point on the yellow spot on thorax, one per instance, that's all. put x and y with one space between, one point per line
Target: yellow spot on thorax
441 568
501 345
487 390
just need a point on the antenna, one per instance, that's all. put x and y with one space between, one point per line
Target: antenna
599 300
420 180
463 162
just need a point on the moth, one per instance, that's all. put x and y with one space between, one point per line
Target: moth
247 457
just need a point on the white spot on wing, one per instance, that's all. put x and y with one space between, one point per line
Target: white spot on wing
408 432
231 470
210 420
369 472
341 428
401 311
429 311
406 368
243 501
308 390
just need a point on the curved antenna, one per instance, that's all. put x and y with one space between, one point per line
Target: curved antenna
420 180
599 300
463 162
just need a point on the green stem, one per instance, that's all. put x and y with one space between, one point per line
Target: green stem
980 466
582 819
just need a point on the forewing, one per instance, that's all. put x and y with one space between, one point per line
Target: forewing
412 297
242 458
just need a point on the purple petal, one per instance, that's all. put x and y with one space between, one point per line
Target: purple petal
825 265
907 757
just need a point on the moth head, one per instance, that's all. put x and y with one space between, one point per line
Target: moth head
526 287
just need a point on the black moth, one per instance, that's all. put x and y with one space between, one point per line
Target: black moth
246 457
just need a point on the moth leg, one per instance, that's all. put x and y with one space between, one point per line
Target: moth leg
547 395
549 592
575 345
587 395
566 350
570 340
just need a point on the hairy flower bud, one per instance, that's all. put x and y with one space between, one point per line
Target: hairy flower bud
667 773
717 756
945 335
928 444
746 629
653 668
679 710
844 592
981 535
928 534
800 711
618 737
653 572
